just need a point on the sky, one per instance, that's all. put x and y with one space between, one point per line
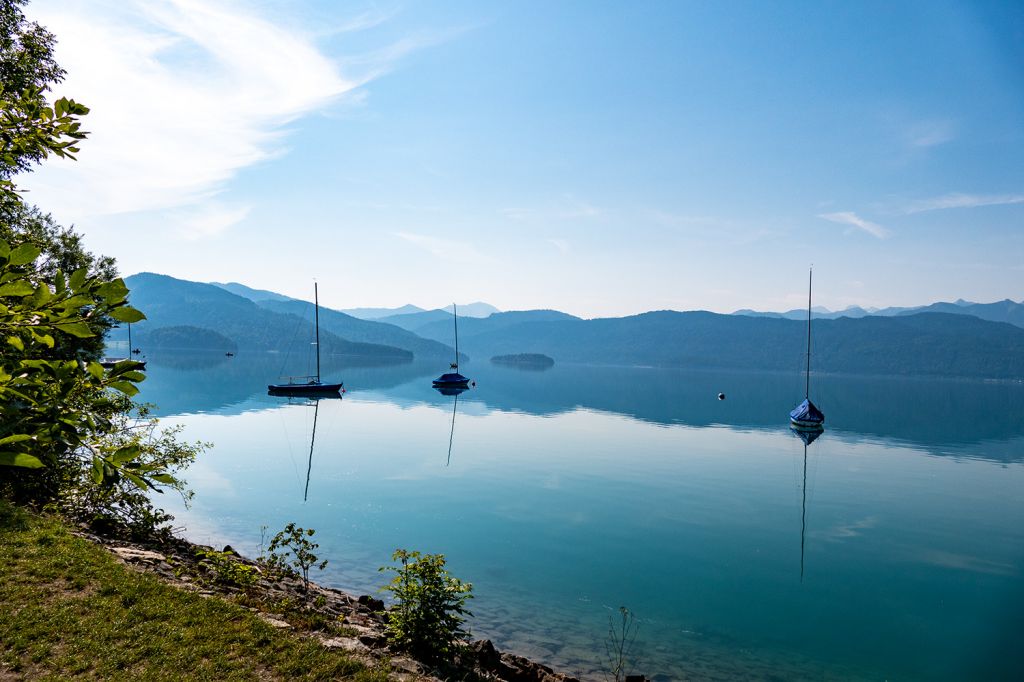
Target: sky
599 158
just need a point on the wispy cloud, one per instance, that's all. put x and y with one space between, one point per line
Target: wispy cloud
924 134
446 249
210 220
853 220
560 244
184 94
958 200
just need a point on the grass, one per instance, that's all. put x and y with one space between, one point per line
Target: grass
70 610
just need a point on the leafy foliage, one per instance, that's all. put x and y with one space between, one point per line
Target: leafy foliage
430 607
227 569
298 556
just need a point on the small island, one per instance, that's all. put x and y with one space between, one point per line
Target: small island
525 360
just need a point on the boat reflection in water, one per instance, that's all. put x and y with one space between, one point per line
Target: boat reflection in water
453 391
314 402
808 436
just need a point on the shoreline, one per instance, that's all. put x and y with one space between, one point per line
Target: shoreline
176 561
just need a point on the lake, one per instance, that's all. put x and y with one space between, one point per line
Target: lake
892 547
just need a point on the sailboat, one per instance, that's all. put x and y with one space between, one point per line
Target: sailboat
109 362
806 415
453 379
307 385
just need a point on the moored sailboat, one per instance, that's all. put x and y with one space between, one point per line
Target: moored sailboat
453 379
308 385
806 415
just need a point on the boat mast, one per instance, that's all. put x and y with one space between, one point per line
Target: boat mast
316 314
455 314
807 380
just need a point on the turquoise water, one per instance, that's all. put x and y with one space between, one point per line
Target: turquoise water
569 492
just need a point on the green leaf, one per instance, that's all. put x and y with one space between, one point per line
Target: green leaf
95 369
166 479
17 288
126 387
97 470
127 314
16 438
16 342
20 459
26 253
78 279
125 454
78 329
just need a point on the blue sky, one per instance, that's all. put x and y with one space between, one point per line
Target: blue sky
599 158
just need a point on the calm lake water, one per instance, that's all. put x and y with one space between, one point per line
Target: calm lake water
896 553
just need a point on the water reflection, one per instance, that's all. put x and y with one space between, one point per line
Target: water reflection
313 402
807 436
938 415
454 392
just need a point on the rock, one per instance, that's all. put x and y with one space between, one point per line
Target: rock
275 622
371 603
138 555
485 654
352 646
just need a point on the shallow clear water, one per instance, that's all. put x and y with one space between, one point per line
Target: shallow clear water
569 492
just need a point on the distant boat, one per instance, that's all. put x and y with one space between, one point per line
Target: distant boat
806 415
453 379
109 362
308 385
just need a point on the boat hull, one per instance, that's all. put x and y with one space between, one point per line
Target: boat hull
805 425
451 380
313 388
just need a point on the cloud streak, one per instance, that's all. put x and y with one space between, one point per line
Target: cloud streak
184 94
853 220
445 249
959 200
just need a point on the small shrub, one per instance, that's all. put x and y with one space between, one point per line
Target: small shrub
227 570
430 607
298 556
619 643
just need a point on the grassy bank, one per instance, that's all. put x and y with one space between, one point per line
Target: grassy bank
70 609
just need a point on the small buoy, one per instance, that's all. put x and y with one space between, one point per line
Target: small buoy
721 396
474 383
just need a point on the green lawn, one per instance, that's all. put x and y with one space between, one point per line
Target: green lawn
69 609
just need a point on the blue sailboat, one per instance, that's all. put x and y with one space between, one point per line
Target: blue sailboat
453 379
806 415
308 385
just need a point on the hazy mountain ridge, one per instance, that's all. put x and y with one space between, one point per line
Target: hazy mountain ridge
170 302
366 331
937 344
999 311
907 343
445 328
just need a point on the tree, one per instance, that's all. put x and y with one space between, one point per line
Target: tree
59 407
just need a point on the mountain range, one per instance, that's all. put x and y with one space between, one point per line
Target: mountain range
1000 311
956 342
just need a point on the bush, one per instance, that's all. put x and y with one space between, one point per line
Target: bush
427 617
293 540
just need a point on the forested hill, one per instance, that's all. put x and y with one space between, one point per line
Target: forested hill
170 302
355 329
937 344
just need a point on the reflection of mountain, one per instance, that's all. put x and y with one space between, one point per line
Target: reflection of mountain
929 412
181 383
